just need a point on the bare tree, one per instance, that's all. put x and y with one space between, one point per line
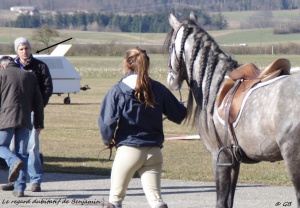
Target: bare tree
44 35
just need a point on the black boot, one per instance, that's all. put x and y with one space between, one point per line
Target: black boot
8 187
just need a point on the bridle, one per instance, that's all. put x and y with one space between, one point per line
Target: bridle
178 58
173 49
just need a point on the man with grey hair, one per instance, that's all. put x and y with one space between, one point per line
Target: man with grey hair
40 70
20 95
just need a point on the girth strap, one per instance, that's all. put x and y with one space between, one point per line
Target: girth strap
234 149
228 106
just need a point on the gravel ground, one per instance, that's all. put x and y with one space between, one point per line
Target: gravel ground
74 190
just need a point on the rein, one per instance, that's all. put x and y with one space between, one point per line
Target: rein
178 59
110 147
172 48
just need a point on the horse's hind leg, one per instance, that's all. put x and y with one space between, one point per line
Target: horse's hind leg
294 175
293 169
292 162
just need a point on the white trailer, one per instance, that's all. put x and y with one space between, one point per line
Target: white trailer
65 78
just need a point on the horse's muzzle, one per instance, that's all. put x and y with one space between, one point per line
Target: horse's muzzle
171 80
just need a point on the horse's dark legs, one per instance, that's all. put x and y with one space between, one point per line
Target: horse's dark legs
234 178
223 182
295 178
292 164
226 180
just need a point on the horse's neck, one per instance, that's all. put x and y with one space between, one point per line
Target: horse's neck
206 77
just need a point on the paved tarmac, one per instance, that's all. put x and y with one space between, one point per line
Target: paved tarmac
74 190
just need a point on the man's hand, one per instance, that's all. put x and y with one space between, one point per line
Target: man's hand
39 129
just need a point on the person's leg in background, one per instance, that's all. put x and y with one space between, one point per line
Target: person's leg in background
10 186
21 143
16 162
35 167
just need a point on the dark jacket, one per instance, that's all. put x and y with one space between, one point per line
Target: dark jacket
127 121
41 72
20 95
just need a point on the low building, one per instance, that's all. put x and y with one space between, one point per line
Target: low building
24 10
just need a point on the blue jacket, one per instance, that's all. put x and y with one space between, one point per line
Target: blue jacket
127 121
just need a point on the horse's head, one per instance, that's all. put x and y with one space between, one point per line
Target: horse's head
195 56
176 44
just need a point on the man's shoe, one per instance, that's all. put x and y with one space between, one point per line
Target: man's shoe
14 174
36 187
8 187
18 193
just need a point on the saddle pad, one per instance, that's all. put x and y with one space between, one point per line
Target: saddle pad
261 84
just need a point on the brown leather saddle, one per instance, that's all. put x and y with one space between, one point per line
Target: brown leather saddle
240 81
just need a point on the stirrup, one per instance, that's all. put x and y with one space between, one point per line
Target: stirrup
223 149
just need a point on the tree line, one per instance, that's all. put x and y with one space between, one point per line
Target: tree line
151 6
155 23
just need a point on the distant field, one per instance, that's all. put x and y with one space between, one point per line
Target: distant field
252 37
263 61
244 15
8 35
236 18
91 67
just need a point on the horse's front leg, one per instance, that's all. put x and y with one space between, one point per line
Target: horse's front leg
226 180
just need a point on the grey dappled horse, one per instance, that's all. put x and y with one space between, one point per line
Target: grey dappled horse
268 128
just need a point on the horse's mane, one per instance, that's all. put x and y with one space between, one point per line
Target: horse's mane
213 62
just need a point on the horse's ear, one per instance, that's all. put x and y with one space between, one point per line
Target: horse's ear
173 21
193 17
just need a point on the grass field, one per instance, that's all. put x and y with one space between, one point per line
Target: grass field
8 35
277 14
71 141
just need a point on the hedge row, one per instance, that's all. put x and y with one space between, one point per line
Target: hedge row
119 50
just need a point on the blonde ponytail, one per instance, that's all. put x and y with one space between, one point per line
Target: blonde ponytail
139 62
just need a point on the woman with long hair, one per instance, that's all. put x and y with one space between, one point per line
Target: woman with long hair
131 117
